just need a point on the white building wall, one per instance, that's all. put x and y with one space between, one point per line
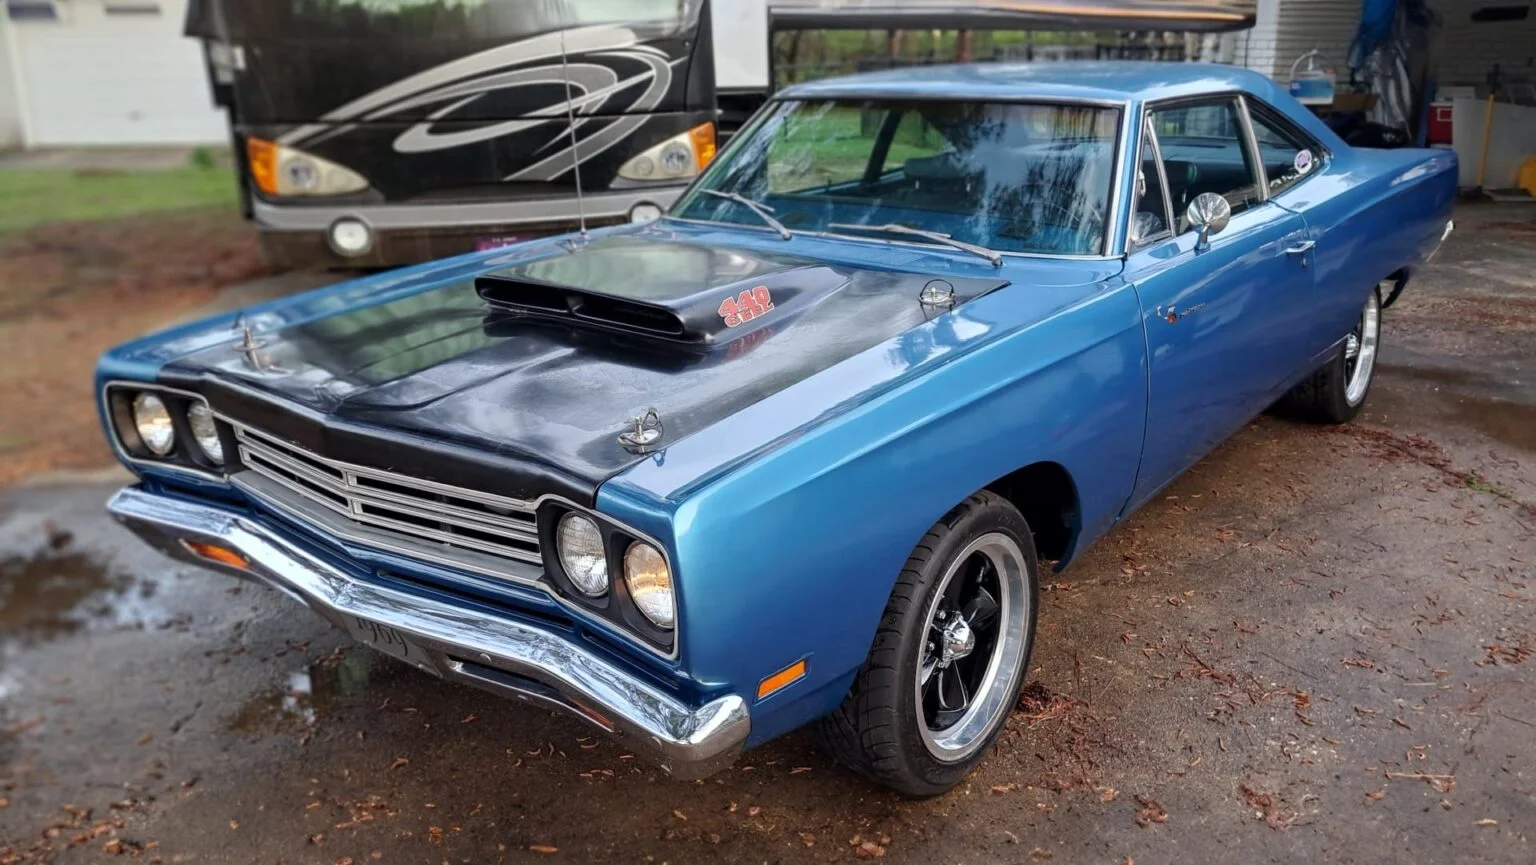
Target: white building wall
11 132
1465 51
95 78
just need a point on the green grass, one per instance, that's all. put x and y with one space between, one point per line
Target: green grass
36 197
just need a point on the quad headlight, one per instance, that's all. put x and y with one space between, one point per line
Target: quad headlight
152 421
650 584
580 545
205 432
165 427
680 157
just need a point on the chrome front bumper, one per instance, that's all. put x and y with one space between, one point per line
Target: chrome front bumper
501 655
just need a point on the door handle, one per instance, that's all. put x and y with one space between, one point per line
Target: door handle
1300 248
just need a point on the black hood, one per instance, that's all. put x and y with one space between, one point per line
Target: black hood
528 386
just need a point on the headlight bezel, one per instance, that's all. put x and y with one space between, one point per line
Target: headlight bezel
616 609
185 457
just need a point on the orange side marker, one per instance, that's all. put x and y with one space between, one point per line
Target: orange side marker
782 679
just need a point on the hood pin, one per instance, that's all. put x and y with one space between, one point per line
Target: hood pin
645 431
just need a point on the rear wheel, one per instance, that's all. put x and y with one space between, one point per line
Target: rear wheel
1337 391
949 656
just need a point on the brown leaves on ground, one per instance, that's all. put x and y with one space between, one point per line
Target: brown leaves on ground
1150 811
70 291
869 848
1266 808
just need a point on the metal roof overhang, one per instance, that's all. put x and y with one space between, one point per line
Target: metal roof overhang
1186 16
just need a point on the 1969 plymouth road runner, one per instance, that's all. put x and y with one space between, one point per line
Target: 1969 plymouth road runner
795 452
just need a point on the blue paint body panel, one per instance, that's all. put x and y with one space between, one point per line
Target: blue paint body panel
787 521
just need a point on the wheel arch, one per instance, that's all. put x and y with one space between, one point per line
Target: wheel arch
1045 493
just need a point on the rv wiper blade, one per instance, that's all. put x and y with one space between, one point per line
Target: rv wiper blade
935 236
763 211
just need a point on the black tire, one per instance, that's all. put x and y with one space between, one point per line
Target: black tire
1324 396
879 730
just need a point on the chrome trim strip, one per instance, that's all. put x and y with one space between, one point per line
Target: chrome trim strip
1117 197
386 217
1252 143
688 741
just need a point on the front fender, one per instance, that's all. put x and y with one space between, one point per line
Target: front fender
792 554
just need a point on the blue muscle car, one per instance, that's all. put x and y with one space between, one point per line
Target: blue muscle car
795 452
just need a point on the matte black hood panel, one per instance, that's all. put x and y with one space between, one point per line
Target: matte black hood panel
442 385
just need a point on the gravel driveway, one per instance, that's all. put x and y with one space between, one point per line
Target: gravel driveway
1316 646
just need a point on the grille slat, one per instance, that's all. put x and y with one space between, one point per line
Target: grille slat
441 516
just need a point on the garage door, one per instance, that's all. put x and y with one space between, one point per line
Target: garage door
114 72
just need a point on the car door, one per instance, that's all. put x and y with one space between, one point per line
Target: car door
1225 320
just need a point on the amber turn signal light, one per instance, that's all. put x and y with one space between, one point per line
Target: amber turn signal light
215 553
782 679
262 157
703 139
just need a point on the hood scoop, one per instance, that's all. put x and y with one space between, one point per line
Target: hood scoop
662 288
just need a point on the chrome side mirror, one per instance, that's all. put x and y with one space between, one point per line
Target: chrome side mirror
1209 213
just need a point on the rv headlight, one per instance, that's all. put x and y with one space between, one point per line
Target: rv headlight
280 170
678 158
205 432
580 546
650 583
152 421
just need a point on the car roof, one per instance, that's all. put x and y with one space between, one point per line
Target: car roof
1111 81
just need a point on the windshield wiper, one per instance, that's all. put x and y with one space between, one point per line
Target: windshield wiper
763 211
935 236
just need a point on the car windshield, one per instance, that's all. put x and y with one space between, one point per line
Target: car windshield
1012 177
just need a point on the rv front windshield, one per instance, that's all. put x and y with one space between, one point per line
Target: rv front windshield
1013 177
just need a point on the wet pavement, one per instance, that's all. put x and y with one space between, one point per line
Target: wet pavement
1316 646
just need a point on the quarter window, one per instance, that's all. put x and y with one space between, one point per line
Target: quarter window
1203 151
1288 156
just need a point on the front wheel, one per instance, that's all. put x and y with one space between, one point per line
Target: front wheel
1336 393
949 656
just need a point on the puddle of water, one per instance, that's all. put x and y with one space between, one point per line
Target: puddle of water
49 595
1459 398
307 697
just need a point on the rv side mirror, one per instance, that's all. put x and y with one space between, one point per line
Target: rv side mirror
1208 214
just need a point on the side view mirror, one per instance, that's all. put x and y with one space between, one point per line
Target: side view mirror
1209 213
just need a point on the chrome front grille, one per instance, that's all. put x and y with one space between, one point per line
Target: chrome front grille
461 526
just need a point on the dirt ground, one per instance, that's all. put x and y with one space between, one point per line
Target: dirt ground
68 291
1316 646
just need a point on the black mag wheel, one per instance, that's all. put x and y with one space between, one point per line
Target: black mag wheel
949 656
972 650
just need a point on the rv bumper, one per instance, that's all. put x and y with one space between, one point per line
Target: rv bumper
499 654
379 235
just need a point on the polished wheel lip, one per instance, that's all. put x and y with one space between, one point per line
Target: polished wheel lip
1360 351
993 697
